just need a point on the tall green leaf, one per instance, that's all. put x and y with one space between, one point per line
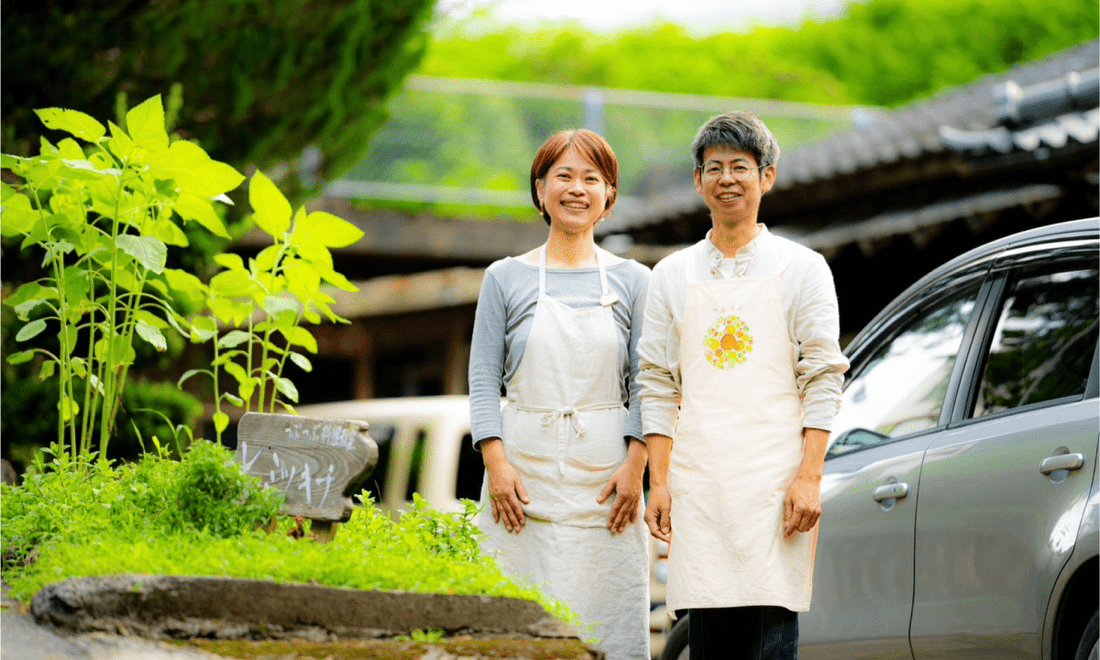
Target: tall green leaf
79 124
149 251
271 209
190 206
193 170
152 335
31 330
326 229
146 124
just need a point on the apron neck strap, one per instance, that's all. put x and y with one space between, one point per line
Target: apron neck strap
604 289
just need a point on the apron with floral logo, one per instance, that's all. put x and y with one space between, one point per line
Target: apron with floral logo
737 448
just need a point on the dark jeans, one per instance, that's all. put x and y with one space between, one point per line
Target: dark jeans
743 633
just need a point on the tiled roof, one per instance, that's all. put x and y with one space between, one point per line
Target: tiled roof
914 130
964 119
1056 133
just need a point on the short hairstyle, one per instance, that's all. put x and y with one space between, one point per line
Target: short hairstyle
742 131
591 147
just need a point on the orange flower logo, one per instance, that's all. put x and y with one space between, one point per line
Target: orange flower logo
728 342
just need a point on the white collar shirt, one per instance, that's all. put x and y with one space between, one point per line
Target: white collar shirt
809 302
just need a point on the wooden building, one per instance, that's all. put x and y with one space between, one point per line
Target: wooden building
412 318
904 191
885 202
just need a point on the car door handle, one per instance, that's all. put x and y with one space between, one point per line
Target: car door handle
1068 462
891 492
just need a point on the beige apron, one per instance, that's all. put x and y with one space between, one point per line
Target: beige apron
738 445
563 433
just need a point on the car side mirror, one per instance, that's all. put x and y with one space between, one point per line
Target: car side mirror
856 438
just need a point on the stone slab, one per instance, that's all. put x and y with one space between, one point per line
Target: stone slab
182 607
25 639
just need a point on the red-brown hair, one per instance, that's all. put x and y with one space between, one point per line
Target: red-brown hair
590 146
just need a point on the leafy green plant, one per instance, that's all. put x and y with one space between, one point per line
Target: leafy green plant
103 215
201 516
104 223
152 409
268 298
422 636
76 500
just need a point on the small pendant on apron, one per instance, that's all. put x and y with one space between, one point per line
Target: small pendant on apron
609 298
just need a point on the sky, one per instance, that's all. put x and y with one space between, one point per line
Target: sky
699 17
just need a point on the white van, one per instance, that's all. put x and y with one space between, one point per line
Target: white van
424 446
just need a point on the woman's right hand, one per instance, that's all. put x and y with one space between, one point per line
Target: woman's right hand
506 491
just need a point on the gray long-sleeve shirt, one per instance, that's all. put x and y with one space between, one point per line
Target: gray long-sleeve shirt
502 324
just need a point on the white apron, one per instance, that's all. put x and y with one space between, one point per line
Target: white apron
738 446
563 433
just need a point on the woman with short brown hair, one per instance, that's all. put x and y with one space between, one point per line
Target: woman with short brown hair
558 328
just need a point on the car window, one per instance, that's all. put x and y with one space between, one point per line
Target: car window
416 463
1046 335
375 484
901 388
471 469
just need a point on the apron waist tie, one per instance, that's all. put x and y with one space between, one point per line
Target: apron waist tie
551 415
562 413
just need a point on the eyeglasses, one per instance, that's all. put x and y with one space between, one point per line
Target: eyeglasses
739 171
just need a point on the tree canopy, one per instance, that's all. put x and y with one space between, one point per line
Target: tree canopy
881 52
259 79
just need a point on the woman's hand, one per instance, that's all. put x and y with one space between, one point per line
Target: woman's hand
506 490
626 483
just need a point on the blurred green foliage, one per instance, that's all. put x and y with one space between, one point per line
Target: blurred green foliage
253 81
487 141
260 79
881 52
888 52
662 58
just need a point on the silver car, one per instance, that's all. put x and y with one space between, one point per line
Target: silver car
960 497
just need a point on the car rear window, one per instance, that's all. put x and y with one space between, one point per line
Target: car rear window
1046 334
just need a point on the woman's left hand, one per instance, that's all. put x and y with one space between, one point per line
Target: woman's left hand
626 483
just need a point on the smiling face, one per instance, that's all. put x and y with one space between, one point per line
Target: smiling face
573 192
732 185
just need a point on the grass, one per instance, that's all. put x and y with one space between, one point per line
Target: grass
203 516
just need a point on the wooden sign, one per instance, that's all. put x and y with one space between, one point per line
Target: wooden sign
312 460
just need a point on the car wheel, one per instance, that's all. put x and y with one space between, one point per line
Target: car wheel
1086 650
676 648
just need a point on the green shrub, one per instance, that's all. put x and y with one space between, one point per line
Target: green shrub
215 495
202 515
76 500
